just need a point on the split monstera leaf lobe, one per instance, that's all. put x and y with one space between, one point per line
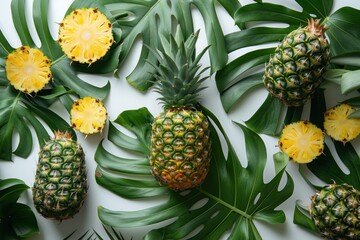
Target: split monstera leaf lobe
148 20
17 219
231 196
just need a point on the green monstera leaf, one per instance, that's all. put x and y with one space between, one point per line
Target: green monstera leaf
17 219
19 111
232 198
150 19
264 25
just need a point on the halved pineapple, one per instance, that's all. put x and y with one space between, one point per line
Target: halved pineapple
85 35
302 141
337 124
88 115
28 69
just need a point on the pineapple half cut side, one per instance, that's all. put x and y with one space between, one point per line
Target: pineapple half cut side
339 126
85 35
88 115
28 69
302 141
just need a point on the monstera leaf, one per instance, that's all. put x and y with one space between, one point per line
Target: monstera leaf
327 168
18 110
232 198
244 73
17 219
150 19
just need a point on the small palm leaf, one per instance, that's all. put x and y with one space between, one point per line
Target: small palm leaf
17 220
18 110
327 168
154 18
244 73
230 199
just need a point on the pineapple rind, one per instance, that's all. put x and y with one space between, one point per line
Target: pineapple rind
337 124
335 210
180 148
88 115
28 69
60 186
294 72
302 141
85 35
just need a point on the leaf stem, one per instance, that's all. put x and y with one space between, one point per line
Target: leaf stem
232 208
58 60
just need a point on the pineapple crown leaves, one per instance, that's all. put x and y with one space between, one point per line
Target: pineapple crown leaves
178 77
234 81
226 207
17 219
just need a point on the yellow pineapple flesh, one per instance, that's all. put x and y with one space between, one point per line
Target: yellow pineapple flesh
302 141
339 126
88 115
28 69
85 35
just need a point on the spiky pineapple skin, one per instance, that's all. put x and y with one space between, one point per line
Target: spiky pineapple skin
335 210
60 186
294 71
180 148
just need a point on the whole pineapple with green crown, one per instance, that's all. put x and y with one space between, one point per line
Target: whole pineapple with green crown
295 70
180 135
60 186
335 210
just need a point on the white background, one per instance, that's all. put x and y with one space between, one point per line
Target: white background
124 97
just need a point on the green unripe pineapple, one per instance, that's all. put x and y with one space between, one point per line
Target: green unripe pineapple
335 211
180 136
295 70
60 186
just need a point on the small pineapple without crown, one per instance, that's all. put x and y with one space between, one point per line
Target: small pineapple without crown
60 186
88 115
28 69
295 70
335 210
339 126
85 35
302 141
180 135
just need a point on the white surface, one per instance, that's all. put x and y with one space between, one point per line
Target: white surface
124 97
